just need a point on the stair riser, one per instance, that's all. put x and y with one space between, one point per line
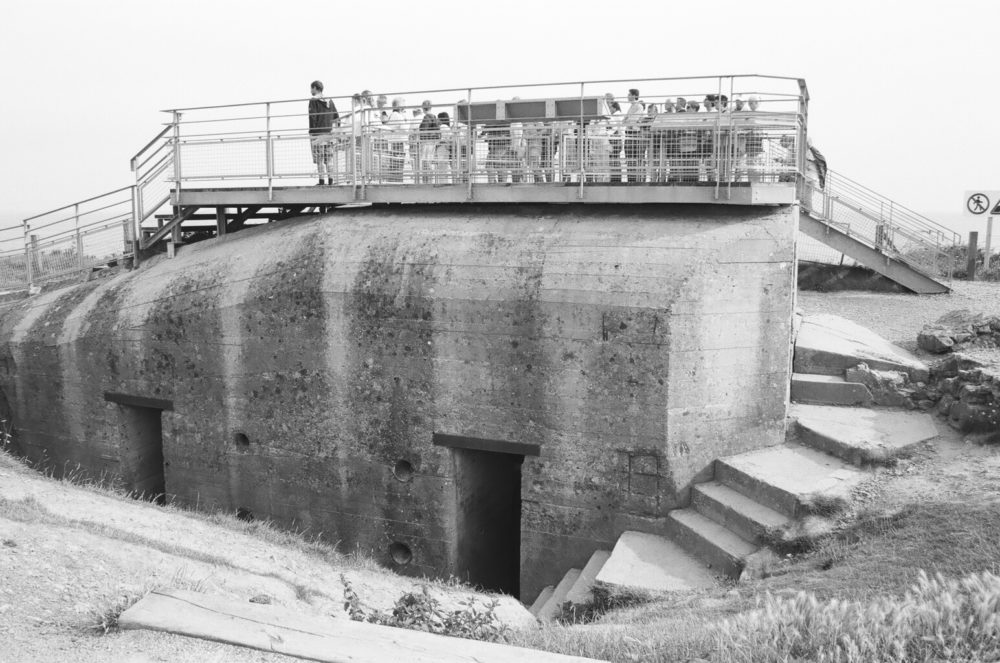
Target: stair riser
768 495
829 445
825 393
690 540
734 521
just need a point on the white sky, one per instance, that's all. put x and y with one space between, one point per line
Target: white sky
905 95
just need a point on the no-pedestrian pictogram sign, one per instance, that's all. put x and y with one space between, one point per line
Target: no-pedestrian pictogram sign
978 203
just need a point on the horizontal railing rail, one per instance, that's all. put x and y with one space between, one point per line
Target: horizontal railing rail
754 133
73 238
882 224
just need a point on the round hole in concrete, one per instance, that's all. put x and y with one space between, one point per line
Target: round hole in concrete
400 553
241 440
403 471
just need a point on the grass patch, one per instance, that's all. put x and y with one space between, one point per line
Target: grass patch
937 620
602 601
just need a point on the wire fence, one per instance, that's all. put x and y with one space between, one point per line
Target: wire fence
68 240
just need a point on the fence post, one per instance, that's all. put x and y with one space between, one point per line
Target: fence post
136 229
973 256
27 255
79 240
269 155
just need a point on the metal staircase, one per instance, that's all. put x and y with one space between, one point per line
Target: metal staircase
877 232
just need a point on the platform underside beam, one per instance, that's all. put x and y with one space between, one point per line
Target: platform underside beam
744 193
883 263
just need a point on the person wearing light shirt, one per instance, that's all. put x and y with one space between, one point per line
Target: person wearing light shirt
396 125
632 122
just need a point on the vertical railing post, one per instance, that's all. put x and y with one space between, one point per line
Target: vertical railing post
470 144
136 229
354 147
176 150
269 156
79 239
29 268
581 145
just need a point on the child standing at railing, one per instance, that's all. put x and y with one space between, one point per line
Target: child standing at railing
322 116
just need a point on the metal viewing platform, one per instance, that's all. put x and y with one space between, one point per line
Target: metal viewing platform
725 140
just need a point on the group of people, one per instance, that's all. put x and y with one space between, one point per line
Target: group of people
392 145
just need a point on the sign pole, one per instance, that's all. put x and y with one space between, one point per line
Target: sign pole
989 239
973 256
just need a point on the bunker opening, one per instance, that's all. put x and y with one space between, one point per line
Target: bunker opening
488 510
142 462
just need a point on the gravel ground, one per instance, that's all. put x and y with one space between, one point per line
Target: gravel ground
899 317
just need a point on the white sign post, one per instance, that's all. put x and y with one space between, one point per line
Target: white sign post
980 203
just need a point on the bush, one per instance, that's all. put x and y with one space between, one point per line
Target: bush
419 611
937 619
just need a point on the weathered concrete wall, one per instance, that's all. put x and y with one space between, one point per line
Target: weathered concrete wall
634 344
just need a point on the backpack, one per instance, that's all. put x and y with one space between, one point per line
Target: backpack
430 127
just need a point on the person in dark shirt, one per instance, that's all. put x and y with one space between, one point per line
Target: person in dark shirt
322 116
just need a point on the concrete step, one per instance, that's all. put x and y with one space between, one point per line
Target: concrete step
715 545
791 479
861 436
549 611
543 598
829 390
829 345
736 512
648 562
580 592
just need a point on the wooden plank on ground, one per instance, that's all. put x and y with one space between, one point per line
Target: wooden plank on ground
275 629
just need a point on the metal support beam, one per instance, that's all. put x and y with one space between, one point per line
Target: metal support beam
168 227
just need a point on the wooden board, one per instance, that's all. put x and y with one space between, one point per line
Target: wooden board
275 629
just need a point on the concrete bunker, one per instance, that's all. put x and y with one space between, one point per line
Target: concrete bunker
625 346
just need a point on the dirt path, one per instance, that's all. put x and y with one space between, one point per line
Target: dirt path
67 552
900 317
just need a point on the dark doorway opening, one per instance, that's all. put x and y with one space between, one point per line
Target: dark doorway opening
142 452
488 494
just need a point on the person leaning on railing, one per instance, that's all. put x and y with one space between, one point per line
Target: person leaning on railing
443 151
322 117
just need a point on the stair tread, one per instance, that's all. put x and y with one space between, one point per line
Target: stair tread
580 592
550 610
745 506
652 562
817 377
716 534
865 428
796 470
542 599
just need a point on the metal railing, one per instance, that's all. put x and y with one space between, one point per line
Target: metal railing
565 133
882 224
71 239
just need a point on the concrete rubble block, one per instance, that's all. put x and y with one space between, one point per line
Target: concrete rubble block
829 345
956 329
275 629
829 390
792 479
550 611
862 436
891 388
581 591
647 562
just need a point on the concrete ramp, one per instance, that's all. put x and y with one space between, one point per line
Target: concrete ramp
829 345
274 629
